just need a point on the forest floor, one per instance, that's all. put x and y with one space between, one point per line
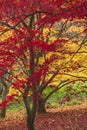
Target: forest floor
66 118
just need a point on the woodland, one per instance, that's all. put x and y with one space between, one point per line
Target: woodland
43 66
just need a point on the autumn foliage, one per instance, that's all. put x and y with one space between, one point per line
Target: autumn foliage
27 56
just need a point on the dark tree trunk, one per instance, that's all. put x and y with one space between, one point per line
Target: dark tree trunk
4 94
41 107
30 123
31 113
3 113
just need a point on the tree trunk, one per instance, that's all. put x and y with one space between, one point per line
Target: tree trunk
30 115
4 94
30 123
41 107
3 111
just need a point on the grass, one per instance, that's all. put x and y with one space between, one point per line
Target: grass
15 106
76 95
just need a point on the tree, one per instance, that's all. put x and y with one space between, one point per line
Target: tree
26 46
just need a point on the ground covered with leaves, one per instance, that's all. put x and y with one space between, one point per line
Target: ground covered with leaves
67 118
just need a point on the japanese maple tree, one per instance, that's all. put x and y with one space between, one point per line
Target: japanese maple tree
23 50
